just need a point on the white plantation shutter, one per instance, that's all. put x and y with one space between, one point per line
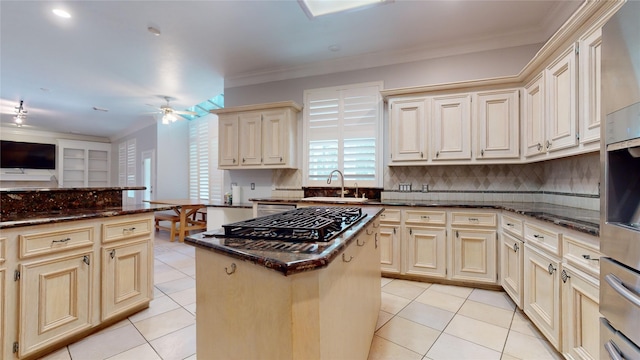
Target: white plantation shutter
205 180
127 168
342 131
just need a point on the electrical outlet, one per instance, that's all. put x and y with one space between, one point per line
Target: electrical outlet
425 187
253 186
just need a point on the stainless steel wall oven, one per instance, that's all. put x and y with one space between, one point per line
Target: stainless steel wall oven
620 180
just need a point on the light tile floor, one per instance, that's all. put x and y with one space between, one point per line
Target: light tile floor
416 321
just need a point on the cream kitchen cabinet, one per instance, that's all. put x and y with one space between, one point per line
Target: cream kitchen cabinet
390 239
127 277
562 80
580 296
497 114
83 163
425 243
474 247
512 258
262 136
534 116
409 130
589 62
59 273
451 121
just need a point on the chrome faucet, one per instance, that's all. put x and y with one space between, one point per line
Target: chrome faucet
341 181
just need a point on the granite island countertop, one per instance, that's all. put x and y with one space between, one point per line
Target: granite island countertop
39 218
582 220
287 262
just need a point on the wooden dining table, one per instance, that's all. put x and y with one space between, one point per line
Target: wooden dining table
186 209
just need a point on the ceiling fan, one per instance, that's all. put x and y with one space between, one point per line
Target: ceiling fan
169 114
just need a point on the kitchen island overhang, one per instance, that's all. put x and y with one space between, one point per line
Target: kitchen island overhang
265 304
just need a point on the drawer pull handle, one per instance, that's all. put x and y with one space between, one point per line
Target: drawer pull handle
60 241
474 220
85 259
383 215
112 253
358 242
538 236
564 276
369 233
376 242
426 217
588 257
233 269
613 351
376 225
129 229
551 269
345 259
515 247
510 225
619 287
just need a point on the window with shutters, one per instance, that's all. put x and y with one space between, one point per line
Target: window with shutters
127 168
205 180
342 130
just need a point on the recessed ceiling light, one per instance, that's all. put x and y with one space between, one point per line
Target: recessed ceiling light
62 13
334 47
315 8
153 30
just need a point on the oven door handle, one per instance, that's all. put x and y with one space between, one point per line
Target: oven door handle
613 351
617 285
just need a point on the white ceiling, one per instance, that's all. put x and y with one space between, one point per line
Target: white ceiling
104 56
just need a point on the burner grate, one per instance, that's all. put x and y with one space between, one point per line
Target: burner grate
299 225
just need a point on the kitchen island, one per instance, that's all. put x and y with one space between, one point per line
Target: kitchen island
317 301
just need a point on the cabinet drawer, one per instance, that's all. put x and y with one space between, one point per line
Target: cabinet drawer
543 238
390 216
125 229
50 242
473 219
581 255
421 217
512 225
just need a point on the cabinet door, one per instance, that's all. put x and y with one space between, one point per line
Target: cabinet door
274 137
498 114
561 105
534 116
228 140
426 252
55 300
389 248
408 128
590 73
542 292
452 127
126 278
580 315
250 139
474 255
511 267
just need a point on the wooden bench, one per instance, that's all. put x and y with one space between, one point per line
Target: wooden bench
173 219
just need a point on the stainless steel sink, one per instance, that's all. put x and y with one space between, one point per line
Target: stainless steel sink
335 199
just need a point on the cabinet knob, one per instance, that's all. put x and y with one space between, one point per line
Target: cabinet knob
437 153
564 276
421 155
551 269
85 259
243 160
234 160
539 147
482 152
515 247
548 144
112 253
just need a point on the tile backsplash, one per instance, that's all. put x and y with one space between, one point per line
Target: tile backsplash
572 181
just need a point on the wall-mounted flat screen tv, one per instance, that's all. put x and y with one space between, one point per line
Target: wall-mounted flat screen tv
26 155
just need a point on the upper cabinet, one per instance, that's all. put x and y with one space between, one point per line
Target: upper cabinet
259 136
498 123
408 124
83 163
589 92
561 77
452 127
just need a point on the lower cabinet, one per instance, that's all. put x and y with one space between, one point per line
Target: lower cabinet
126 278
55 299
511 268
474 255
389 248
580 314
542 292
426 251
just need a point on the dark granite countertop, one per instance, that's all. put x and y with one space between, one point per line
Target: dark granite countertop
583 220
220 204
70 189
286 262
37 218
